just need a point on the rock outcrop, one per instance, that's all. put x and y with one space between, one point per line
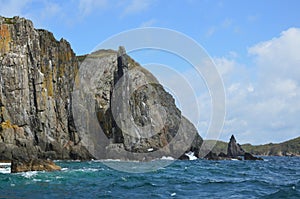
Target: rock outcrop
37 73
138 118
249 156
234 149
132 115
33 165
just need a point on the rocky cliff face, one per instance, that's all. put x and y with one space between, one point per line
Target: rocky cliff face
138 118
36 81
132 115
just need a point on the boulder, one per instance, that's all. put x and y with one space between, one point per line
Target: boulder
33 165
184 157
248 156
222 155
212 156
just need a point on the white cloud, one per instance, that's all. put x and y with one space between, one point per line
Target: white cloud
137 6
264 105
149 23
86 7
51 9
225 24
211 31
280 54
13 7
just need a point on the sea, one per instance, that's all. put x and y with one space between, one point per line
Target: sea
275 177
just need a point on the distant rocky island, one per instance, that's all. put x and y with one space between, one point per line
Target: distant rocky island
287 148
38 79
234 151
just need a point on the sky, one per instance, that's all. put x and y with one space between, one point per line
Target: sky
254 44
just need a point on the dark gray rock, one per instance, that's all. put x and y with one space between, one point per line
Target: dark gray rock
234 149
134 111
212 156
184 157
222 155
248 156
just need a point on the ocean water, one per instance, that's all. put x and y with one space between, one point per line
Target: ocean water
276 177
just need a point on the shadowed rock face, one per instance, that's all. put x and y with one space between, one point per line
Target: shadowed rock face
137 116
37 77
36 80
249 156
234 149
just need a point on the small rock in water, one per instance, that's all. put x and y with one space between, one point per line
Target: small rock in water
33 165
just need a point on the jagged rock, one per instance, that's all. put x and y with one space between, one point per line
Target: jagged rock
33 165
234 149
248 156
222 155
212 156
37 77
184 157
134 111
37 73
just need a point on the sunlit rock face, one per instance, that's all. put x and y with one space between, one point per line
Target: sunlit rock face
36 80
54 107
138 118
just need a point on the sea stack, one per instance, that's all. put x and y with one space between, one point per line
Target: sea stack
234 149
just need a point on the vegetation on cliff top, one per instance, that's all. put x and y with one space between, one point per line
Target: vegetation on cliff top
290 147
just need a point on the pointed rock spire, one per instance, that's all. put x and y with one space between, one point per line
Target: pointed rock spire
234 149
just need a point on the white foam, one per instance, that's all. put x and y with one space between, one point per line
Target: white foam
29 174
5 164
5 170
109 160
167 158
191 155
87 170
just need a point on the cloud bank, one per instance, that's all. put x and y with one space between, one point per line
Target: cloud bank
263 98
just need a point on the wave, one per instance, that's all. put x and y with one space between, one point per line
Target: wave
191 155
167 158
284 193
29 174
5 170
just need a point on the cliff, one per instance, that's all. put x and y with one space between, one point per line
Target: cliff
138 118
45 108
36 81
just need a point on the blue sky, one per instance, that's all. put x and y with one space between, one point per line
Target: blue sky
253 43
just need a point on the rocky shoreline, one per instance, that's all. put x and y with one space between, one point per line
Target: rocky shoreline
234 151
40 90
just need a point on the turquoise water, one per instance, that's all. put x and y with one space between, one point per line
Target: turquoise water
276 177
